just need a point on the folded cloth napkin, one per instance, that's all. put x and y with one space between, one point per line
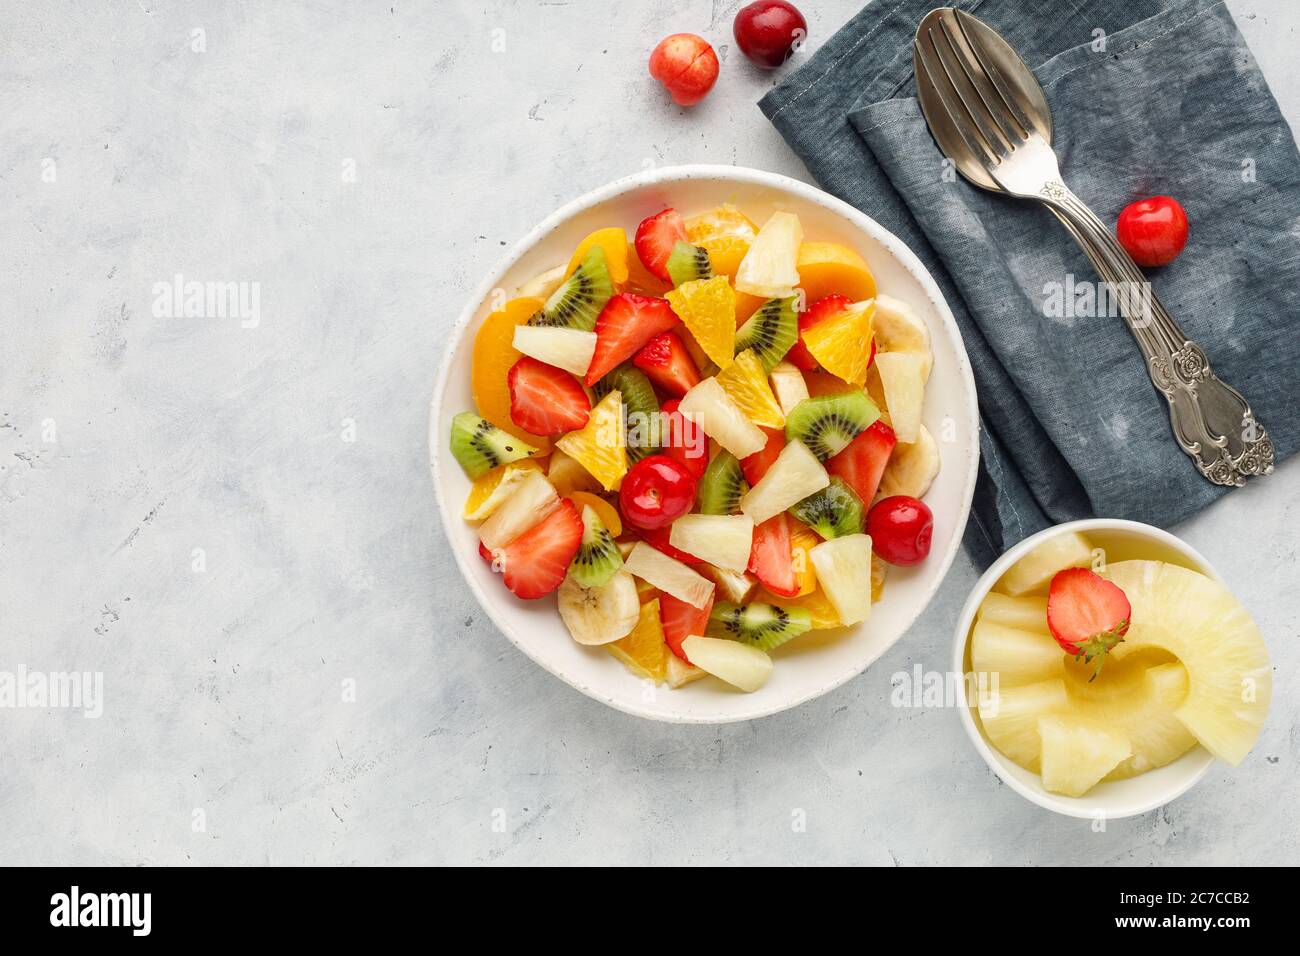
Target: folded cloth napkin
1148 97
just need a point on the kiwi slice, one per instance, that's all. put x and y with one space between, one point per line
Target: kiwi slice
827 423
480 446
687 262
765 626
722 486
833 512
580 297
770 331
598 558
640 408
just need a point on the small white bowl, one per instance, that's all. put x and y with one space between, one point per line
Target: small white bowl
1119 798
819 661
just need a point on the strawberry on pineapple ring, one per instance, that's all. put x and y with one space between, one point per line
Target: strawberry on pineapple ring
494 356
828 268
614 241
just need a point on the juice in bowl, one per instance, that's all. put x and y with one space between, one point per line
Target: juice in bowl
1107 667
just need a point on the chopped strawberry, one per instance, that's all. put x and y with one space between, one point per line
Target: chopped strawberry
657 538
545 400
771 559
536 562
627 322
683 440
1087 615
863 461
668 365
756 465
655 238
821 310
680 620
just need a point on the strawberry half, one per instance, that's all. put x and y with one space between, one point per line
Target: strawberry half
627 323
667 363
655 238
863 461
771 559
680 620
683 440
755 466
1087 615
821 310
536 562
545 400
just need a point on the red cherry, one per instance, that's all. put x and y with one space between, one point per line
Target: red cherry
1153 231
686 65
656 492
900 528
767 32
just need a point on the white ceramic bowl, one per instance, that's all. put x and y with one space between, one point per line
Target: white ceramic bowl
819 661
1123 540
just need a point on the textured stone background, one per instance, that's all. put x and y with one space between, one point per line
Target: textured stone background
324 559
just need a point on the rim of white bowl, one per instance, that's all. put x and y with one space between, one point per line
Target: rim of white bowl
1067 806
895 247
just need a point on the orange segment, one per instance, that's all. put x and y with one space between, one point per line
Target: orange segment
817 604
707 307
802 540
823 383
646 591
746 305
842 343
640 279
827 268
488 491
878 570
608 513
644 650
745 382
494 354
601 445
614 241
725 233
568 476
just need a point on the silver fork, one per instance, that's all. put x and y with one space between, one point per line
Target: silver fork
989 116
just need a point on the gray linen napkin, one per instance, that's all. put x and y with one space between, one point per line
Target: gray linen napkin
1148 97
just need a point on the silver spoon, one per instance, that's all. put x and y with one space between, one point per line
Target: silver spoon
988 114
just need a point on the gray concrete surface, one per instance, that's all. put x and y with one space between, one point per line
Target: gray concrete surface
232 519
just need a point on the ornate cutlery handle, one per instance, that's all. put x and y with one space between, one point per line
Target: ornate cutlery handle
1211 420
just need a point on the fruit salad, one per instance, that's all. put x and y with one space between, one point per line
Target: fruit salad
705 442
1098 671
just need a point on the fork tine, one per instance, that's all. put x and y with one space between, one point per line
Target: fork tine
957 113
1001 141
989 70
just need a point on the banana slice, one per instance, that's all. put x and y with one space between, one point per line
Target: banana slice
600 615
911 468
899 329
542 285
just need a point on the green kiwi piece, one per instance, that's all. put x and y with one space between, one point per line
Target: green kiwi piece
580 297
687 262
765 626
722 486
640 408
770 331
827 423
480 446
833 512
598 558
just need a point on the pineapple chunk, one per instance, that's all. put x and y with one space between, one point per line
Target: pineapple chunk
1078 753
911 468
736 587
681 673
1016 656
1035 571
567 349
531 501
788 385
724 540
770 267
738 664
1010 716
713 410
844 573
1024 613
902 377
668 574
794 476
1230 681
1147 717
